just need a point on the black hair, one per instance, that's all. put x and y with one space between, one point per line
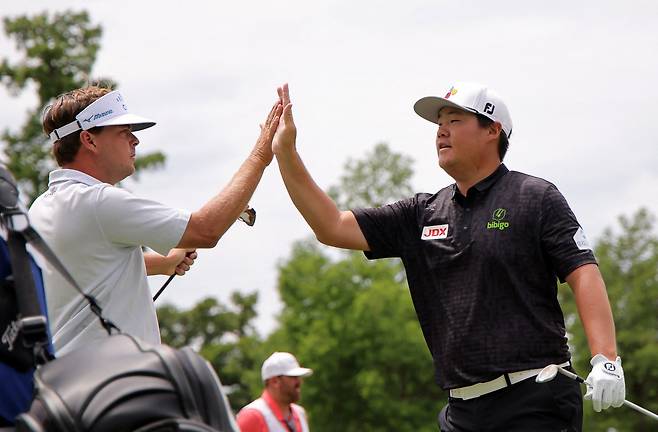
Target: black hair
503 142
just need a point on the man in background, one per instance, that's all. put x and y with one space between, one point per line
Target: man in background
276 410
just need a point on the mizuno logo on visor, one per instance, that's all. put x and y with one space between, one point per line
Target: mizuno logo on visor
97 116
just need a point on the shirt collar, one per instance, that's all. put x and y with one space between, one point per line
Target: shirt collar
485 184
59 176
269 400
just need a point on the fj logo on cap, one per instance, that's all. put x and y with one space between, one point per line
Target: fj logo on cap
434 232
489 108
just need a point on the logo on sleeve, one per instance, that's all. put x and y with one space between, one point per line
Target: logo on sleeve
498 220
434 232
581 240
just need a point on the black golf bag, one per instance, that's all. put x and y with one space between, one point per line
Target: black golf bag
122 384
115 384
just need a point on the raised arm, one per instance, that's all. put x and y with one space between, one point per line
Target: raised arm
330 225
207 225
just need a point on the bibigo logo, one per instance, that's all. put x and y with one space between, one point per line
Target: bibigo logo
498 221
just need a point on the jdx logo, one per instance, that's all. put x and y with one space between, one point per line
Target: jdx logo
498 222
434 232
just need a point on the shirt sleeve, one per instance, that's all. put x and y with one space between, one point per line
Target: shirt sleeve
132 221
563 239
388 228
250 420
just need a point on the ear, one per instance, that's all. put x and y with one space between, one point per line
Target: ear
496 129
87 140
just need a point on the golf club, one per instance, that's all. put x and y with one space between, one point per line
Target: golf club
550 371
248 216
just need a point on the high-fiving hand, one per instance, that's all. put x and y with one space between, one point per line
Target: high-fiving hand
263 148
286 133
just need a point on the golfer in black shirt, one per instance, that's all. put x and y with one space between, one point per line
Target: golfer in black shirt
482 258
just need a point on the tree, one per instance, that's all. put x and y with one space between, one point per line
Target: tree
58 55
629 263
223 335
353 321
381 177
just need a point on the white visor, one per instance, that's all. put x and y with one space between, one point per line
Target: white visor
108 110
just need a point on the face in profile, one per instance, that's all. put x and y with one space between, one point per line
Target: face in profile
115 147
290 388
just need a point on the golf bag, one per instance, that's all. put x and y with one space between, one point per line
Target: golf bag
24 339
122 384
115 384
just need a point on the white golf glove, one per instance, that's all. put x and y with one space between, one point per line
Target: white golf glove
605 383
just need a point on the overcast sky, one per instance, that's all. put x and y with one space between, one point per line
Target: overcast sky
578 77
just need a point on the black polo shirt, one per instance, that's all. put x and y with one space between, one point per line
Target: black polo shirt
483 270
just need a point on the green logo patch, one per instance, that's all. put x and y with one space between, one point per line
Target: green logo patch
498 221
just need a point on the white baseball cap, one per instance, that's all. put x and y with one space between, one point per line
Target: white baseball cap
283 363
108 110
471 97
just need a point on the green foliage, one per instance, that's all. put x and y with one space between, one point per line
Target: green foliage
149 161
223 335
353 322
380 178
58 53
628 260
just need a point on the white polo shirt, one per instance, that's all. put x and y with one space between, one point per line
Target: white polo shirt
97 230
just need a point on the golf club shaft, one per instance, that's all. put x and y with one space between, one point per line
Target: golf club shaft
640 409
155 297
248 216
571 375
626 402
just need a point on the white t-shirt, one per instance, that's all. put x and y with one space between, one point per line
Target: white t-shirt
97 231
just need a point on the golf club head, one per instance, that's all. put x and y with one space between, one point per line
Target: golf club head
248 216
547 374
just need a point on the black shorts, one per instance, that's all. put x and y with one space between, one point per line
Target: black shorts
554 406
